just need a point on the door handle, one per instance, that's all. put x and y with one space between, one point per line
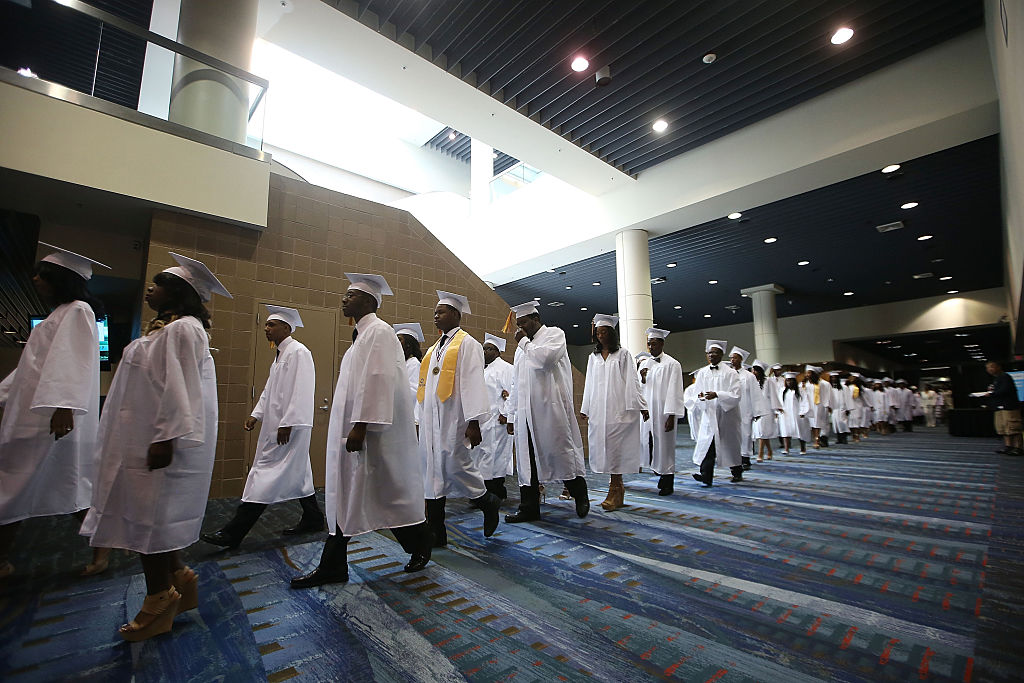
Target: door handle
326 406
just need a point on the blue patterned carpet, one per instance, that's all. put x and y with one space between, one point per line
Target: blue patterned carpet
896 559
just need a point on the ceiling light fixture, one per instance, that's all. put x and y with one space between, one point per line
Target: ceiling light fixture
946 277
596 284
908 205
771 240
953 291
847 293
568 286
580 63
803 263
707 315
660 126
536 298
709 58
670 265
550 270
677 307
734 215
452 135
891 168
712 282
576 325
922 238
842 35
583 308
27 72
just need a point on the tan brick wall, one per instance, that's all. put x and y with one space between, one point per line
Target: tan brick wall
313 237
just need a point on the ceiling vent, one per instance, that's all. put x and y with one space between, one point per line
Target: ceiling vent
889 227
922 276
556 303
658 280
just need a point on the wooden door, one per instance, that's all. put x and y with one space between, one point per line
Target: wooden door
318 332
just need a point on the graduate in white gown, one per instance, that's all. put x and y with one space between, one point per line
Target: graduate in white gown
613 409
281 470
549 446
793 421
840 407
819 398
857 401
453 401
767 407
714 402
374 476
411 336
737 357
51 406
157 439
494 454
661 379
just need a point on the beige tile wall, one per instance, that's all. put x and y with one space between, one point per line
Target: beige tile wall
313 237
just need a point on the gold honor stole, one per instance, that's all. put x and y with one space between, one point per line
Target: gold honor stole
856 391
446 382
817 394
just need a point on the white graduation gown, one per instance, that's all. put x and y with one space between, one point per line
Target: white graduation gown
412 369
494 454
766 408
791 424
748 384
284 472
59 368
663 391
165 388
817 413
612 403
380 486
718 419
544 406
840 418
449 469
857 406
892 405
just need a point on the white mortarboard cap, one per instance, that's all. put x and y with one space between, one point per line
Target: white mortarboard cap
720 343
374 285
743 353
789 375
812 368
656 333
498 342
285 314
199 276
456 301
515 312
776 366
856 374
82 265
760 364
887 379
602 319
643 354
901 381
414 330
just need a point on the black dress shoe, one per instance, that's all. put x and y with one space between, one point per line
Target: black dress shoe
490 507
746 466
417 562
699 478
221 538
319 577
304 528
523 515
666 484
736 479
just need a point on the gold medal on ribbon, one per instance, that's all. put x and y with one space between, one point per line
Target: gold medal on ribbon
437 370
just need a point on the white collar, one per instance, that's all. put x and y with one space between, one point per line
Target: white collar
284 343
365 322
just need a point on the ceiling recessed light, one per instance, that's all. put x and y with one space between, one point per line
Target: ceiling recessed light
660 126
891 168
771 240
712 282
946 277
580 63
847 293
550 270
842 35
803 263
452 135
670 265
568 286
953 291
27 72
908 205
583 308
707 315
576 325
922 238
709 58
677 307
734 215
536 298
596 283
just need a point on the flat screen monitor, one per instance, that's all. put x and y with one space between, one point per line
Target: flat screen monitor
103 332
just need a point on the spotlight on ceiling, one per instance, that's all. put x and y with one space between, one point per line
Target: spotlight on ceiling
771 240
953 291
580 63
712 282
660 126
803 263
452 135
670 265
908 205
891 168
603 76
842 35
677 307
922 238
734 215
710 58
707 315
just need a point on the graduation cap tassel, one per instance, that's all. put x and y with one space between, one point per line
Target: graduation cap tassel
510 322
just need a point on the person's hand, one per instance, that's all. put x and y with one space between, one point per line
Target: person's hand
830 410
646 414
708 395
160 455
643 375
250 423
583 416
284 435
502 420
519 335
504 394
61 423
473 433
510 428
356 437
803 416
670 423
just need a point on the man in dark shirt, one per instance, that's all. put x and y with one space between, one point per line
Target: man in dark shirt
1002 396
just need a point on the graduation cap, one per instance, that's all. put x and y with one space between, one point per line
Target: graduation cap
656 333
374 285
742 352
456 301
76 263
286 315
516 312
776 366
414 330
712 343
760 364
789 375
812 368
499 342
199 276
604 320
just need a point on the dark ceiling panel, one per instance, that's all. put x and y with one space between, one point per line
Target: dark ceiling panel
455 144
941 349
833 228
771 55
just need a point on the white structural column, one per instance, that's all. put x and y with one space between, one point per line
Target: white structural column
633 277
481 170
766 323
205 98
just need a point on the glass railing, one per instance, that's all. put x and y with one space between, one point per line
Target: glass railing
513 179
136 74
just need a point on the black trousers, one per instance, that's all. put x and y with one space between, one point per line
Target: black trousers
575 486
248 514
707 466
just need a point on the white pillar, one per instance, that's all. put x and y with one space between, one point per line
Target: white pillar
205 98
633 277
766 323
481 170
